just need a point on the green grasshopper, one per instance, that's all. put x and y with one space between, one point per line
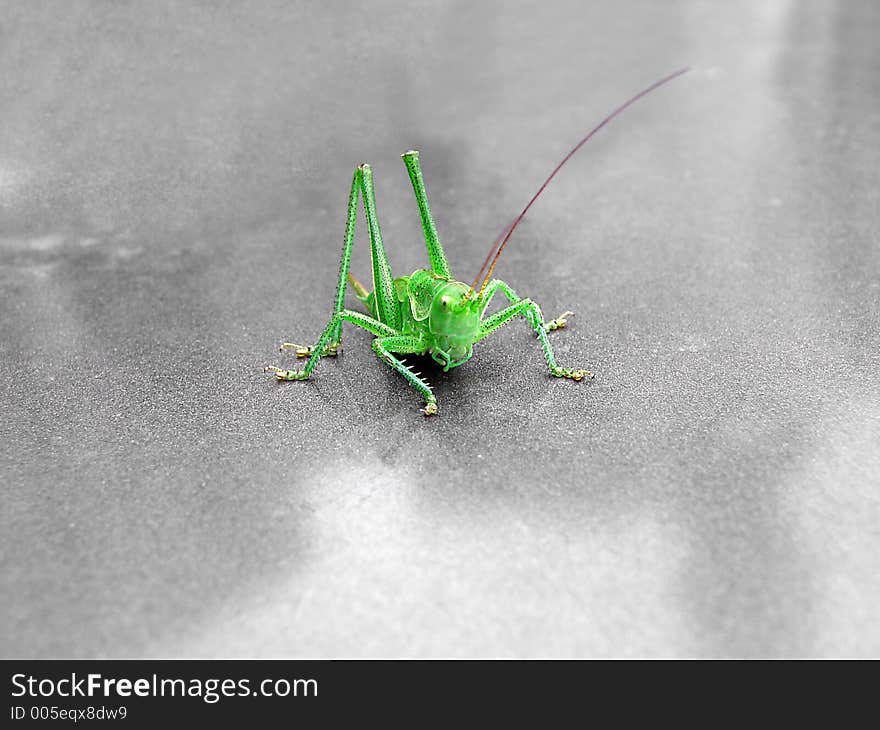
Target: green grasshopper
429 312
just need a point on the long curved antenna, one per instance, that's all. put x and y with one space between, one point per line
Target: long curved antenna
495 251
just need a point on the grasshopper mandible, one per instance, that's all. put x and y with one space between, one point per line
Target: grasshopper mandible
429 312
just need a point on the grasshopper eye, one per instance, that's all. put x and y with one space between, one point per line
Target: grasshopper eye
444 302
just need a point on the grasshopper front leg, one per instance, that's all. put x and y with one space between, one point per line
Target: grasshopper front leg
532 313
496 285
404 345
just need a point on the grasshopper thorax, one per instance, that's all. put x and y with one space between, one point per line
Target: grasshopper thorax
453 320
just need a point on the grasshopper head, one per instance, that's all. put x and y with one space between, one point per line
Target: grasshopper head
454 322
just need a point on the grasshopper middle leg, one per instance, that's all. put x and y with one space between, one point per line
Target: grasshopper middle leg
331 350
332 329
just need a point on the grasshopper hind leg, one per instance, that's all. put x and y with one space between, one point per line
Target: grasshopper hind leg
333 343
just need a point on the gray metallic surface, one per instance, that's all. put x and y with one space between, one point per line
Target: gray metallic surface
173 180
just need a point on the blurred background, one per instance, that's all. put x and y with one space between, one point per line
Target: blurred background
173 182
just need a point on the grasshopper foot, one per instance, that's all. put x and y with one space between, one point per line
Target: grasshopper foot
331 350
559 372
559 322
281 374
430 409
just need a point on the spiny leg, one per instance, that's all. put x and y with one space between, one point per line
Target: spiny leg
532 313
405 344
358 318
383 285
344 261
439 264
334 344
497 285
361 184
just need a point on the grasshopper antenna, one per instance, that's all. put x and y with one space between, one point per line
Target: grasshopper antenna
501 242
